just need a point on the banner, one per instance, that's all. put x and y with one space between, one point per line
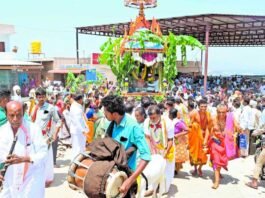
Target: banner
94 58
91 75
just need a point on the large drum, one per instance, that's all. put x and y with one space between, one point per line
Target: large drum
79 169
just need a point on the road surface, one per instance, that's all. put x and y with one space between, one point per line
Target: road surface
184 185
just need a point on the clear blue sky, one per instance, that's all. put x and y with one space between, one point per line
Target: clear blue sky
53 21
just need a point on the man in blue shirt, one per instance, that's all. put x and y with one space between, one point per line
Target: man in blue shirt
128 133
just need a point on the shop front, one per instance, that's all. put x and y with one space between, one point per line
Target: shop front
25 74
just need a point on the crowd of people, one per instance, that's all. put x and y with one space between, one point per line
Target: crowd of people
187 125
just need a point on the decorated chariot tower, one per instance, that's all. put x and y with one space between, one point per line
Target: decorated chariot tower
144 60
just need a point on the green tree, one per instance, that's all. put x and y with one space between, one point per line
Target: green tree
79 82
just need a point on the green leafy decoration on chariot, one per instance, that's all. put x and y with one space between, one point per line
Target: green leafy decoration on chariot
122 64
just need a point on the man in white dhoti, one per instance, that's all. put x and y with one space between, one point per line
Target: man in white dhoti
64 134
159 131
246 122
78 126
44 114
25 174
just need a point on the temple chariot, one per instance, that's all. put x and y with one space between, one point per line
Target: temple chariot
144 60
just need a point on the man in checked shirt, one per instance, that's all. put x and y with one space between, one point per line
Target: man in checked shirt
44 114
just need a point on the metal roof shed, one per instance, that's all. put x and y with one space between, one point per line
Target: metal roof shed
214 30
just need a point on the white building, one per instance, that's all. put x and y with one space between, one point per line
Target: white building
5 32
13 71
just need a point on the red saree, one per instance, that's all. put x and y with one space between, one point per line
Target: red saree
217 151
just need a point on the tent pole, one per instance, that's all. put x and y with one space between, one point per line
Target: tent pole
206 60
200 68
77 46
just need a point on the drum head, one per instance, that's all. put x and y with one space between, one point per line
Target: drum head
114 182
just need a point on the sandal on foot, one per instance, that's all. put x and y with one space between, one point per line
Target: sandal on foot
251 185
193 173
148 193
200 173
48 184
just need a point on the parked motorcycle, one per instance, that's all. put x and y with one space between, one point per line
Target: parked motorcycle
260 145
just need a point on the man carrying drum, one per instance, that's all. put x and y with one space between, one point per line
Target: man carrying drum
128 133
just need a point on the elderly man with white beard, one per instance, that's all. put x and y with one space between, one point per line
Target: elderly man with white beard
24 165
